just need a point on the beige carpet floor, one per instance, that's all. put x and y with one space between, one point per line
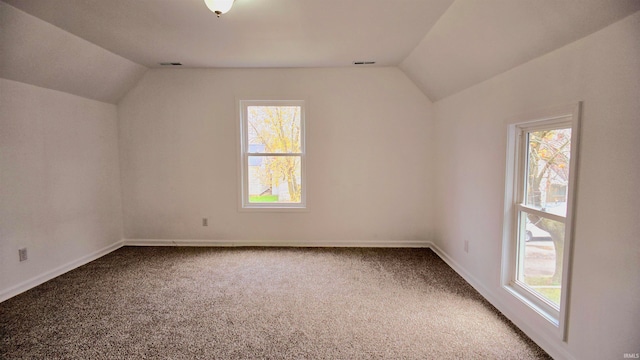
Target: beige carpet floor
259 303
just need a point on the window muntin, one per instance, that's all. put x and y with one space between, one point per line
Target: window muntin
541 176
273 145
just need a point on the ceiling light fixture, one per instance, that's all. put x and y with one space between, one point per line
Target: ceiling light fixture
219 6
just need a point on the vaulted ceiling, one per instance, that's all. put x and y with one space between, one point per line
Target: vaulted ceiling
444 46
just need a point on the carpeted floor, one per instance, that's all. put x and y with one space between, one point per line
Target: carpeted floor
259 303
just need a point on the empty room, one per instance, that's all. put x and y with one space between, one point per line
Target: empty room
319 179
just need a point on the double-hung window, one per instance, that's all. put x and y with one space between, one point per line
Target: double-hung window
273 154
541 177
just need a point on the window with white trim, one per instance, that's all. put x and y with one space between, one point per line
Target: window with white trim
273 154
541 177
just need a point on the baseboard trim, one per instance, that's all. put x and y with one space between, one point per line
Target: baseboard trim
40 279
551 347
270 243
555 350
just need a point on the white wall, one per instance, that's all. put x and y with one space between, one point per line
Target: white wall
369 164
59 183
603 70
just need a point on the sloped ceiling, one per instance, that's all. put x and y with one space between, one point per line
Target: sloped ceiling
99 49
477 40
38 53
255 33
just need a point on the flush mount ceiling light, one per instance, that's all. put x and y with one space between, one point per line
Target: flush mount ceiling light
219 6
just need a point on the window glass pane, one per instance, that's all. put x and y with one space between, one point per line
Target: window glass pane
540 249
273 129
274 179
548 155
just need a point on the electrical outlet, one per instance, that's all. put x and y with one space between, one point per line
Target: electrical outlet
22 254
205 222
466 246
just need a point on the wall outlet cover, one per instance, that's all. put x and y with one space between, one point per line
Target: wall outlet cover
22 254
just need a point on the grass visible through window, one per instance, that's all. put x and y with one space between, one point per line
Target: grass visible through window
263 198
546 287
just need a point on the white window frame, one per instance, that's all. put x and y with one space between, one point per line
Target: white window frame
244 157
566 116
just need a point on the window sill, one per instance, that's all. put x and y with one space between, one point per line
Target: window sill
274 209
517 293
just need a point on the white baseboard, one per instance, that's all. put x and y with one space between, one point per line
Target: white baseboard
35 281
271 243
553 348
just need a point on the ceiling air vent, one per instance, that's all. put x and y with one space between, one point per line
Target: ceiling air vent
171 64
364 62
